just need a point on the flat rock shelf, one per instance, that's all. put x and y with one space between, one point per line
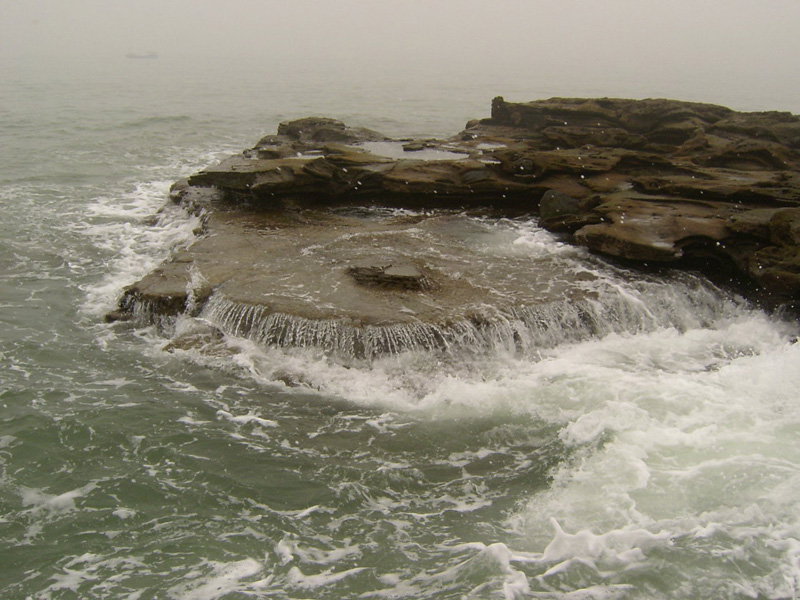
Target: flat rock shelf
341 228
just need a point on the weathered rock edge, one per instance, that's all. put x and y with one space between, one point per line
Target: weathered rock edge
653 182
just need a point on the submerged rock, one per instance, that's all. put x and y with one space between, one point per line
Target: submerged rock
647 181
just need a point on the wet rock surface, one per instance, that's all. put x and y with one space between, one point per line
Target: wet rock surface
651 182
391 275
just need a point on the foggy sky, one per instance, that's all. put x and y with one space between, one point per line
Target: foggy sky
727 42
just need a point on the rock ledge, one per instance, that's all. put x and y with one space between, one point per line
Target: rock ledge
652 182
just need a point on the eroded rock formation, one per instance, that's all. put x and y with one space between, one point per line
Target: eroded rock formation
652 182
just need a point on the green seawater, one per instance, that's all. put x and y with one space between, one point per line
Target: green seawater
654 462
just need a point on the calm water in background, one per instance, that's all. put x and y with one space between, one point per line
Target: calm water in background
649 464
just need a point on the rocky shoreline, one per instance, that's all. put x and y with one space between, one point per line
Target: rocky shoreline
649 182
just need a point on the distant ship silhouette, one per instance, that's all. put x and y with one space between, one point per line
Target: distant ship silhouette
142 55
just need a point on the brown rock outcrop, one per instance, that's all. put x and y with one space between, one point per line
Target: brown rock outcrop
685 181
647 181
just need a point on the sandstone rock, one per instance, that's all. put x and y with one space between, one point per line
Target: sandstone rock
777 270
642 180
239 173
196 200
202 337
755 223
322 129
655 230
164 291
559 212
416 146
784 227
395 276
566 136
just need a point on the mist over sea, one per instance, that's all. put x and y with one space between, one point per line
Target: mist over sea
655 458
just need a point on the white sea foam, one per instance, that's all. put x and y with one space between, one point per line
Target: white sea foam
484 571
41 502
614 549
213 580
687 457
673 434
654 469
250 417
289 549
296 577
531 238
118 226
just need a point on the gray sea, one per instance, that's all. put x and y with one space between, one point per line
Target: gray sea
653 455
